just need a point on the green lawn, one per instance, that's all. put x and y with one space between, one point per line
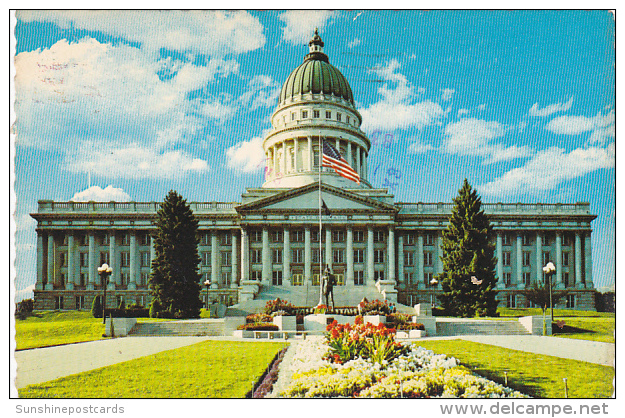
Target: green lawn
47 328
533 374
210 369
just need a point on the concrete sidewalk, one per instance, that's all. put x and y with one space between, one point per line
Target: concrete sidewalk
582 350
43 364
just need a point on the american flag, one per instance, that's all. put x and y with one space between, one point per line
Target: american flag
333 159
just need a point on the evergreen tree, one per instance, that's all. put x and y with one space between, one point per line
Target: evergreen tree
96 307
468 277
175 280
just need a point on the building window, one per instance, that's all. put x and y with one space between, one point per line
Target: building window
378 235
506 258
428 258
293 115
347 119
338 256
256 256
359 256
63 259
277 236
297 235
315 114
510 301
315 280
304 114
359 277
570 301
256 235
378 256
84 240
407 277
429 239
84 260
58 302
566 279
328 114
409 239
314 235
505 239
277 256
546 257
276 278
65 240
427 278
145 278
206 258
527 256
126 239
80 302
565 259
298 255
527 278
507 278
338 117
225 279
378 275
105 257
125 259
316 254
206 239
546 241
106 239
83 279
226 258
297 279
145 239
226 239
124 278
526 239
145 259
409 258
359 235
338 235
566 240
257 275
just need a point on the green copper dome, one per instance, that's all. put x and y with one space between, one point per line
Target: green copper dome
316 75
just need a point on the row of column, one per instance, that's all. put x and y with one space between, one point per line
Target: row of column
517 277
278 154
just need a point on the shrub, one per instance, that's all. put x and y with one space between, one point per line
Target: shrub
259 326
278 305
258 318
410 326
398 318
24 308
96 307
375 307
127 312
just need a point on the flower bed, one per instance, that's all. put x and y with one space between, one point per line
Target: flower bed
415 373
375 307
258 326
269 378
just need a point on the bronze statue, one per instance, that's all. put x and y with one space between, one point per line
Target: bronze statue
328 281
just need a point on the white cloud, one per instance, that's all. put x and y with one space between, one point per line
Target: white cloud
136 162
353 43
418 147
462 112
197 32
98 194
300 24
447 94
26 293
475 137
246 156
24 222
550 168
395 110
573 125
549 109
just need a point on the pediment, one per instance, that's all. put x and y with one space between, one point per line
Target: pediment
306 199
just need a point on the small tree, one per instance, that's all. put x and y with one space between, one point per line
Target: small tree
175 280
539 295
96 307
468 277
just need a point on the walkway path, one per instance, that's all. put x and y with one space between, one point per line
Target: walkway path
583 350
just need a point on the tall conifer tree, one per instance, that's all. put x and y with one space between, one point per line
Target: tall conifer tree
468 277
175 280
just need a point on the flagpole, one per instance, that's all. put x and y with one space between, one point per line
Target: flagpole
320 223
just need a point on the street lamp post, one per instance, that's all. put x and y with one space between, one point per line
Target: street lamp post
549 270
433 282
105 272
207 283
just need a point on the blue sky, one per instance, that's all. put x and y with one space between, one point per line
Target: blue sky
137 103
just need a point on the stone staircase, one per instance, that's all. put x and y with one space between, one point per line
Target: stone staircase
195 328
456 326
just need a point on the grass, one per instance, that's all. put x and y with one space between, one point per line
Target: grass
48 328
210 369
536 375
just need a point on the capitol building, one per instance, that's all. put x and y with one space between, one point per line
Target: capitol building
269 244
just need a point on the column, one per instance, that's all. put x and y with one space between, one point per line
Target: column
370 269
93 268
519 262
499 249
391 253
419 259
349 154
358 169
215 270
132 280
307 254
286 258
245 255
311 154
559 283
284 158
296 154
50 278
328 247
364 163
539 257
234 260
266 272
40 261
588 261
578 261
71 262
349 274
400 258
116 277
